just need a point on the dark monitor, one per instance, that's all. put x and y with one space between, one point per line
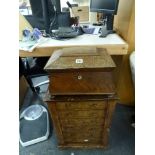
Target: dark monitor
104 6
109 9
43 13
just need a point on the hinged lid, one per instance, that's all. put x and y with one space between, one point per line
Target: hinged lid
83 58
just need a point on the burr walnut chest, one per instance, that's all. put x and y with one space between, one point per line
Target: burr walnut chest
82 96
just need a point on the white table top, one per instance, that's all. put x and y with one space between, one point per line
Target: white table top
113 43
84 40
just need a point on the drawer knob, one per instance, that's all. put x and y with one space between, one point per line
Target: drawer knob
108 130
79 77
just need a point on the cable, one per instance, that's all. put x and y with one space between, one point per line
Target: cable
52 22
53 18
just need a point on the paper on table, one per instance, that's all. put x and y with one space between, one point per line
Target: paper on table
29 46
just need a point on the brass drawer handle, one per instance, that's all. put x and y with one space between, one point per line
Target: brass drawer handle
79 10
79 77
85 140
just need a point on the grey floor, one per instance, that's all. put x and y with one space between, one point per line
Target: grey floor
121 140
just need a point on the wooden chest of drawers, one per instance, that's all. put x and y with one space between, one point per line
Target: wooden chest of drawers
82 99
82 122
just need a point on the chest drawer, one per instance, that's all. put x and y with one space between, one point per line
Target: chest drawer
91 105
83 137
81 123
87 128
82 114
72 83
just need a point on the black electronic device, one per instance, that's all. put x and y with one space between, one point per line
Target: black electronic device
47 15
109 9
104 6
63 19
64 32
44 12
